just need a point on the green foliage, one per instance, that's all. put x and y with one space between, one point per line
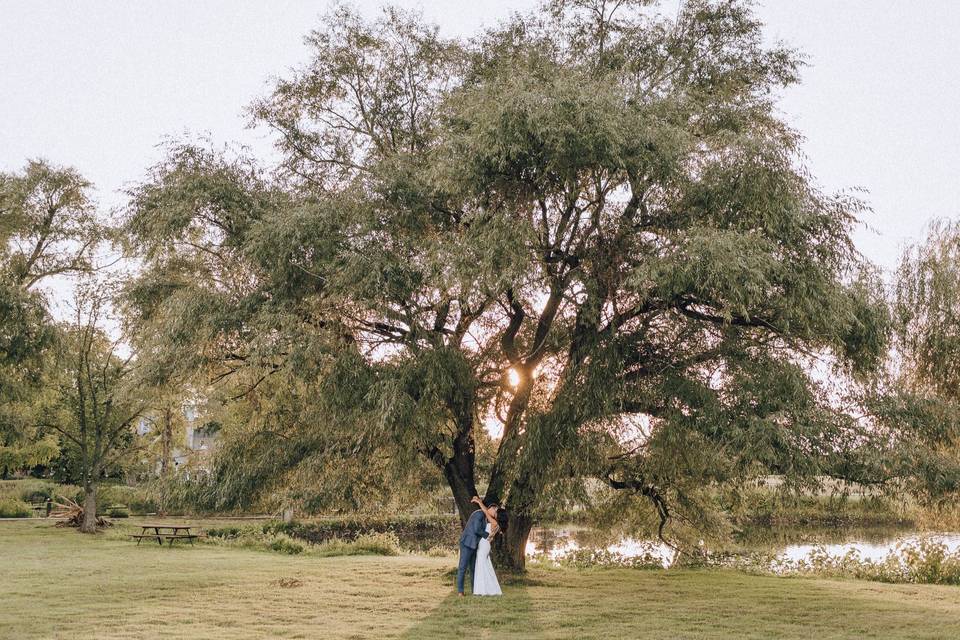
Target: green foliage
927 311
38 495
927 377
35 490
281 538
14 509
26 334
227 533
139 499
48 227
118 511
368 544
586 558
283 544
25 452
768 508
256 539
412 532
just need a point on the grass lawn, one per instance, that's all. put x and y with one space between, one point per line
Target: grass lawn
57 583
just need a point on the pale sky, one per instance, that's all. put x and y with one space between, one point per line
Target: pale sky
97 85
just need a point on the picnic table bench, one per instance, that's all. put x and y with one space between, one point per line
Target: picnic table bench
42 506
168 532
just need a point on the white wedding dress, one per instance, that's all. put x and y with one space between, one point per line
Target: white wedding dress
485 581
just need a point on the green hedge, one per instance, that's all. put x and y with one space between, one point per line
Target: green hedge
10 508
226 533
270 537
139 500
34 490
419 533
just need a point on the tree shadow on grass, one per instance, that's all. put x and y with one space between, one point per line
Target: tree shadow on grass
508 616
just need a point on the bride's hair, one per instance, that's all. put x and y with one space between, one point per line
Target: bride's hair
502 519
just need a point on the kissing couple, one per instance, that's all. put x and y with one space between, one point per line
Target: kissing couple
482 527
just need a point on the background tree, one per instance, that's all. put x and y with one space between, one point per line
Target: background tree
49 224
94 405
48 228
26 332
926 312
586 229
167 424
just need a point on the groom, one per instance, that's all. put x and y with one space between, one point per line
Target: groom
472 533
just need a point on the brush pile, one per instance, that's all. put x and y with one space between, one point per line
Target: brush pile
70 514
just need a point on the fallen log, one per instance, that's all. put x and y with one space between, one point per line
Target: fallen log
70 514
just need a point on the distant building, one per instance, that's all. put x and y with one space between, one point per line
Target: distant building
199 439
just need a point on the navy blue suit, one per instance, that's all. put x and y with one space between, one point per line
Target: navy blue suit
472 533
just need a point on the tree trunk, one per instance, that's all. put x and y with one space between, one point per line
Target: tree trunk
459 470
89 524
510 548
166 440
462 488
558 428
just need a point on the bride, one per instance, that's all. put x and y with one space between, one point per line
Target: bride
485 581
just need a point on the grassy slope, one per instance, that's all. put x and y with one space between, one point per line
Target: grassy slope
57 583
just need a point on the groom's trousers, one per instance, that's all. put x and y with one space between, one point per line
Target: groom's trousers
468 558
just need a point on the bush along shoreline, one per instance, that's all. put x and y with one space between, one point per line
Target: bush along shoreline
922 562
416 533
272 537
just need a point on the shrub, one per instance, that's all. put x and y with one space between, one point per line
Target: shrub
441 551
285 544
144 504
139 500
584 558
271 537
924 562
256 539
412 532
38 493
225 533
118 511
34 490
10 508
371 544
931 563
378 544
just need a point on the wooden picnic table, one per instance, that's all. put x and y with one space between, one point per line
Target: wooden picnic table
168 532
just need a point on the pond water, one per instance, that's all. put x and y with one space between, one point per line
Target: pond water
791 545
873 551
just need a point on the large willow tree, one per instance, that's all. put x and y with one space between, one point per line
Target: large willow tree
586 230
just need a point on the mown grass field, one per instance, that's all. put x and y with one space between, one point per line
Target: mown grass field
55 583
